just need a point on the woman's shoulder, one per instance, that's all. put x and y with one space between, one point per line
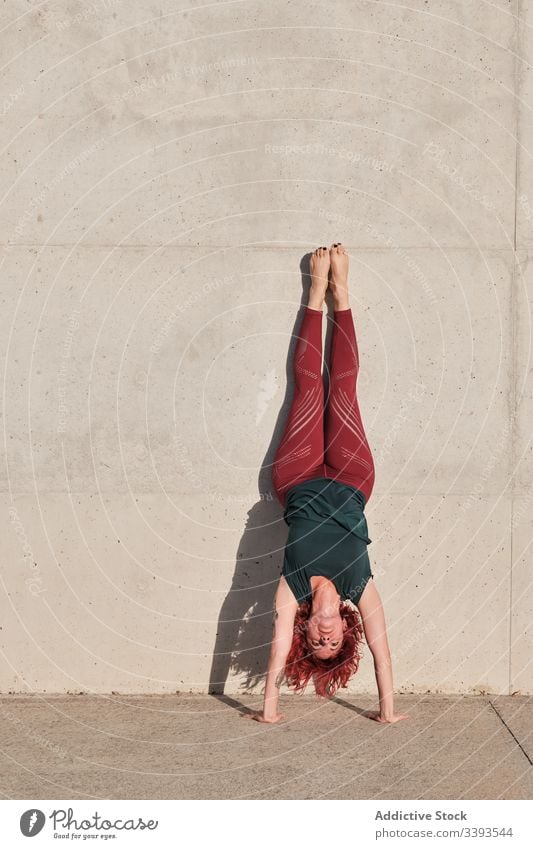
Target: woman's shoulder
285 594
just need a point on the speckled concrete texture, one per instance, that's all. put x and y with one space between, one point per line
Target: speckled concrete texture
165 172
202 747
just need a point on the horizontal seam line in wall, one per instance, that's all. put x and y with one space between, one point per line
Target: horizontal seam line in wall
178 491
373 248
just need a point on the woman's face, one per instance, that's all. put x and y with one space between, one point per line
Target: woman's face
325 633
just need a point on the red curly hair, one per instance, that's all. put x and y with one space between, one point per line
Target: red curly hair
328 675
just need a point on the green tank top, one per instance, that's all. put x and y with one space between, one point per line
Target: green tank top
328 535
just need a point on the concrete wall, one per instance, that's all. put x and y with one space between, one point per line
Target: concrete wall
165 171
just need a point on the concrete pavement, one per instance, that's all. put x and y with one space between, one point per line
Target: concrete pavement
201 747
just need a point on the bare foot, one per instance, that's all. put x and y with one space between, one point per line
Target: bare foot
259 716
319 270
338 283
375 715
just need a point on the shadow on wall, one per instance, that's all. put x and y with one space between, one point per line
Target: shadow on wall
244 629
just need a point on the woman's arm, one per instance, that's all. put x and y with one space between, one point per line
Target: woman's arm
285 607
373 619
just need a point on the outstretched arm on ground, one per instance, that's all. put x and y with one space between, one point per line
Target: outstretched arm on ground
284 612
373 619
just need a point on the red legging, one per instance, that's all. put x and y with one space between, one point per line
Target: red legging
328 442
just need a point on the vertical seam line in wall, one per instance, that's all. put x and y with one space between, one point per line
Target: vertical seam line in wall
512 451
517 92
513 320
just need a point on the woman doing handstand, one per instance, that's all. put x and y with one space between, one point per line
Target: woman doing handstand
323 475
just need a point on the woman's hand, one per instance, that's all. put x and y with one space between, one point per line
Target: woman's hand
376 715
260 717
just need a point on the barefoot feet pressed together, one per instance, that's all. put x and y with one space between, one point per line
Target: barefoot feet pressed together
328 269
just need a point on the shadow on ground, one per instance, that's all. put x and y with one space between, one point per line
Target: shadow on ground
245 621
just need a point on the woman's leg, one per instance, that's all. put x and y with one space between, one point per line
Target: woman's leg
348 456
300 454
